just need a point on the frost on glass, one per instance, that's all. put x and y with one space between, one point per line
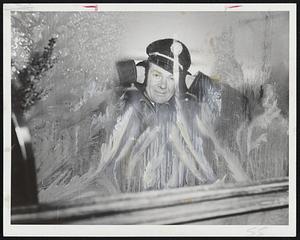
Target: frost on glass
86 142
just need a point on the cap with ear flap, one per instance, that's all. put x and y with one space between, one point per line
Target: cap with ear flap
161 52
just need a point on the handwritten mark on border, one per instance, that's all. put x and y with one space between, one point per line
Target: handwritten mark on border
256 231
233 6
95 7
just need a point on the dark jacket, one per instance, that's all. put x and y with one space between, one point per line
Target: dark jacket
168 149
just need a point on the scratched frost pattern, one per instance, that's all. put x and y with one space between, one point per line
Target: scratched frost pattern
74 128
64 124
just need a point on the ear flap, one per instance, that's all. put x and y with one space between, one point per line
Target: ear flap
127 72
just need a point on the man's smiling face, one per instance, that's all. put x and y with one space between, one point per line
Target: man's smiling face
160 84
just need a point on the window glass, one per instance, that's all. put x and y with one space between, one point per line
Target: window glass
99 128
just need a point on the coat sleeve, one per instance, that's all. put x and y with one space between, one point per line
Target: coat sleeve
222 99
229 107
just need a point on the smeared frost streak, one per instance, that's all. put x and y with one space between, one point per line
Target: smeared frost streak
232 161
262 121
109 150
149 174
143 142
202 160
173 180
61 192
125 150
238 138
182 155
182 126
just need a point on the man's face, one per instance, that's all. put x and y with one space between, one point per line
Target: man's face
160 84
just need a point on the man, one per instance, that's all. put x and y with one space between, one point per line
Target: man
161 144
153 79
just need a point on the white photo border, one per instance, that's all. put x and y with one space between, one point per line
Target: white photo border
147 230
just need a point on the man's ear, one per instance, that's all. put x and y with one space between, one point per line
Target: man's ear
140 74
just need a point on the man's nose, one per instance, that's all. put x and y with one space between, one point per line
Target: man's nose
163 83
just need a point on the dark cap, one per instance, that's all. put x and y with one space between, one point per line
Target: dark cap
161 52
